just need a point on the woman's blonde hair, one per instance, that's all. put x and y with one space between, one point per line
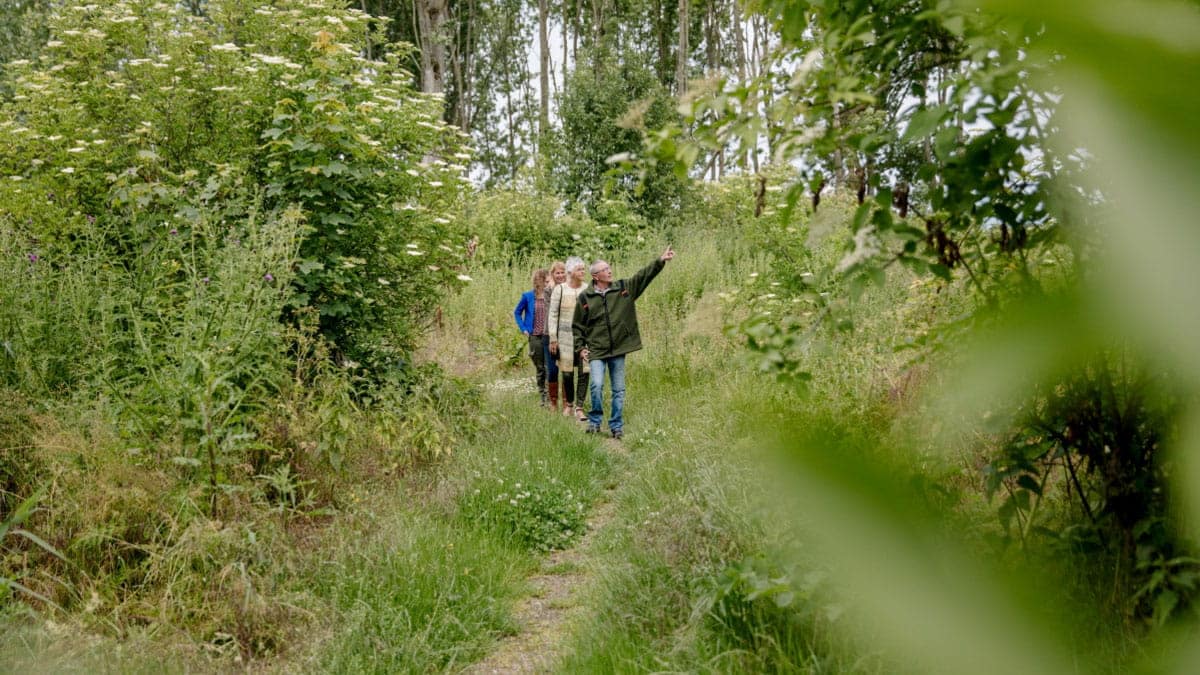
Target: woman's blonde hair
557 264
573 262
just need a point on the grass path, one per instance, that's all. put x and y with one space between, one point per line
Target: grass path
547 616
555 603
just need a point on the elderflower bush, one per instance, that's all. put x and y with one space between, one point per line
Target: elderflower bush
139 118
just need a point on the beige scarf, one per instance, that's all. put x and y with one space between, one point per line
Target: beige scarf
562 312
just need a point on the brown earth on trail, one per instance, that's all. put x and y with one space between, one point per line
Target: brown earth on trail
547 616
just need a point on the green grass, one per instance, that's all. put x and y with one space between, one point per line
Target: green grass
426 596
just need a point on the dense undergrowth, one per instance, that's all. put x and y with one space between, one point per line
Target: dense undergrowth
410 555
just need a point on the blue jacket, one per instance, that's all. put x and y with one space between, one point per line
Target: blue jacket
523 312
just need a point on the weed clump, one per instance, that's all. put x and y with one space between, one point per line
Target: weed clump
544 515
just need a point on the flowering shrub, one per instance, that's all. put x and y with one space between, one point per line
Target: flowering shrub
138 116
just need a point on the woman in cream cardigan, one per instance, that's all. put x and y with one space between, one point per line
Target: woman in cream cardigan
562 342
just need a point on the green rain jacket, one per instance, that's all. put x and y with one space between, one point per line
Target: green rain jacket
606 323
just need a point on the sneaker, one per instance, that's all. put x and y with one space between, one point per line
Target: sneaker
617 435
592 429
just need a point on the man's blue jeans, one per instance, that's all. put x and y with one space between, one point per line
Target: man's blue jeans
551 360
615 366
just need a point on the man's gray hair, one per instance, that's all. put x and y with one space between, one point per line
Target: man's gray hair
595 266
574 262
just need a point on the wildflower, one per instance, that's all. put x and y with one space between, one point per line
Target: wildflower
435 183
227 47
204 280
268 277
411 252
33 257
463 277
174 232
67 169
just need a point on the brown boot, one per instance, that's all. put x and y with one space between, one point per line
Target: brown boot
553 386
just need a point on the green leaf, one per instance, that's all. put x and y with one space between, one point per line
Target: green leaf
923 122
1029 483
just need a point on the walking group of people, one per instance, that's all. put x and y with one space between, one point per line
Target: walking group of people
578 332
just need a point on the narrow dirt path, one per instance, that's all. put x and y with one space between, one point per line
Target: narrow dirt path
548 614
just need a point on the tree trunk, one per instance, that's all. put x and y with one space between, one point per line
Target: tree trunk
681 58
566 39
431 18
739 35
544 66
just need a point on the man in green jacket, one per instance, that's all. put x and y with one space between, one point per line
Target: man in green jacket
605 328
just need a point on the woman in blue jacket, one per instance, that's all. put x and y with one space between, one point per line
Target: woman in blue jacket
530 315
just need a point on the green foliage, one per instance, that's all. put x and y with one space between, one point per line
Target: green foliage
139 115
22 32
429 597
11 526
999 132
605 102
542 515
518 227
1094 440
767 610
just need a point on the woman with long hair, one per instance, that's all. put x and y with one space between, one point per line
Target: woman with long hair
556 276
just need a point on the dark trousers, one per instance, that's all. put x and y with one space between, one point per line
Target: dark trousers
537 354
575 383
